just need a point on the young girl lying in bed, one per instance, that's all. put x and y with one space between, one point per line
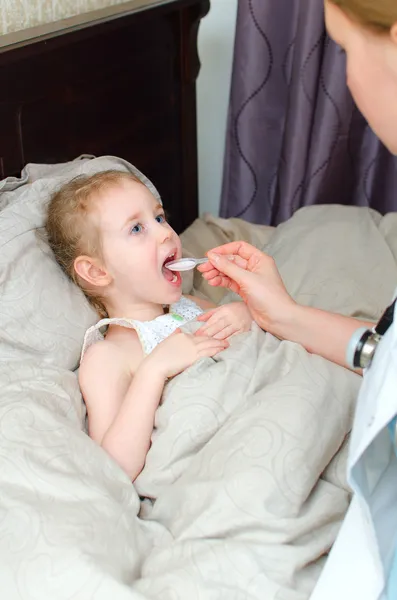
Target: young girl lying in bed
110 235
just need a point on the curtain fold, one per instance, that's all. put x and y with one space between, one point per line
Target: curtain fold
295 137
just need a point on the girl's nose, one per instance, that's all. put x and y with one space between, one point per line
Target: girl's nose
163 233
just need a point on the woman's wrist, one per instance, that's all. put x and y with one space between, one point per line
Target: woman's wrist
289 323
319 332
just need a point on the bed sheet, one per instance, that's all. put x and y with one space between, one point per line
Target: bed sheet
244 489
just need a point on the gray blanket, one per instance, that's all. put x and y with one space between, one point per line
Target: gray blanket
247 470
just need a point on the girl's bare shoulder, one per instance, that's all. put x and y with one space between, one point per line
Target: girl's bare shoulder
119 352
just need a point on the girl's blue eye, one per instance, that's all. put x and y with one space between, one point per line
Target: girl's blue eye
160 219
136 229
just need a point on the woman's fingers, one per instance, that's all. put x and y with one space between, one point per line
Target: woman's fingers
225 282
210 266
216 281
219 280
205 268
210 272
224 276
241 249
232 275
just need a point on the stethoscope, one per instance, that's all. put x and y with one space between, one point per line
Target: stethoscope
364 342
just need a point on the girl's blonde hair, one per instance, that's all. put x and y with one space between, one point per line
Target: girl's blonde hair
71 231
377 14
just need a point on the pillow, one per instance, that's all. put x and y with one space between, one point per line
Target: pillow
44 316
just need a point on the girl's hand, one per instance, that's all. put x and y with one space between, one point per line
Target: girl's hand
224 321
180 351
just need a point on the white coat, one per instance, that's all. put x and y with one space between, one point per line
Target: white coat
358 563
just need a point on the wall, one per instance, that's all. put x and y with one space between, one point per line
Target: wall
216 40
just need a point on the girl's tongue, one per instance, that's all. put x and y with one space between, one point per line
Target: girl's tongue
174 278
169 275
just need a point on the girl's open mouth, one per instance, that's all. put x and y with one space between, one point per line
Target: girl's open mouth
171 276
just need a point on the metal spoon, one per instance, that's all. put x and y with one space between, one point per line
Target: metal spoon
185 264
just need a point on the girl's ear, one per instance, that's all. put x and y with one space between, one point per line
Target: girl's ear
92 271
393 33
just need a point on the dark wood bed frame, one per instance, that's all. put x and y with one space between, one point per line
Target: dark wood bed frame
125 87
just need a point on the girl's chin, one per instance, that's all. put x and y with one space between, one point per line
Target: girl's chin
173 296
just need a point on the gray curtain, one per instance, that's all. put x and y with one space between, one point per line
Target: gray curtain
295 136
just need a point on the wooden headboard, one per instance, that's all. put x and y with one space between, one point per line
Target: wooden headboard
125 87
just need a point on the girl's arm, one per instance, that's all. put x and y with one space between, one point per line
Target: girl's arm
121 408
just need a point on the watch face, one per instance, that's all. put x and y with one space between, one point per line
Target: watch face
386 319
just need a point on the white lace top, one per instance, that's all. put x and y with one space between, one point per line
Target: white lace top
150 333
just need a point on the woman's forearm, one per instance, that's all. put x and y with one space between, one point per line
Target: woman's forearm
320 332
128 438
